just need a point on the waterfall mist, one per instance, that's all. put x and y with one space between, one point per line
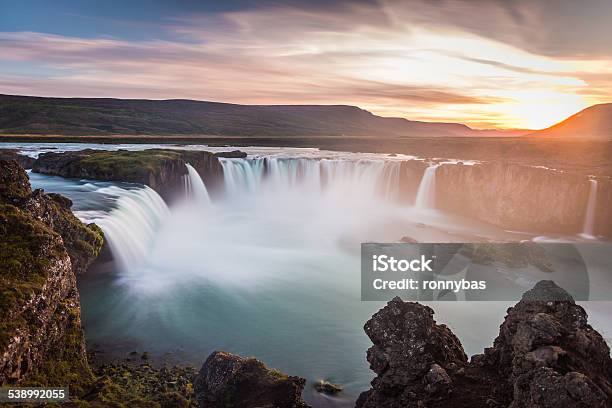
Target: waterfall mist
270 266
275 214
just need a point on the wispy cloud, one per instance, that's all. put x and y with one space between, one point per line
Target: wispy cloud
429 61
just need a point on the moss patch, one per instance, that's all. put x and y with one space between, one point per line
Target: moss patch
128 165
26 245
128 385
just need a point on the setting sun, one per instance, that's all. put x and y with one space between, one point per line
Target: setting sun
538 109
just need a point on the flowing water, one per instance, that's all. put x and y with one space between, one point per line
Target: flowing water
589 217
195 188
426 194
268 268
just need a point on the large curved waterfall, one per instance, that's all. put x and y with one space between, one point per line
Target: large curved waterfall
378 179
130 229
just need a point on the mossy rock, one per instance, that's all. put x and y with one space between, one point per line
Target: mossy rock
26 247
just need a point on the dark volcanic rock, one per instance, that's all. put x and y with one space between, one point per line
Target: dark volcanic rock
327 388
411 356
42 246
549 353
227 381
546 356
11 154
234 154
160 169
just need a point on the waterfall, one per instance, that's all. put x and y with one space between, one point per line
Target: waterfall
242 174
131 227
196 189
426 194
365 178
589 217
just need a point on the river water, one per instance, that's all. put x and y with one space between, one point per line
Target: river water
269 268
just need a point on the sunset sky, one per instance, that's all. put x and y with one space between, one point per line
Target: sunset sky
524 64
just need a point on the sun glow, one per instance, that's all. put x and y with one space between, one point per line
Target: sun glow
536 109
283 55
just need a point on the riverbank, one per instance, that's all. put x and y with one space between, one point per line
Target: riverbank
586 157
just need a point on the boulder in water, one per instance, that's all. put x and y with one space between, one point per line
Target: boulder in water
327 387
230 381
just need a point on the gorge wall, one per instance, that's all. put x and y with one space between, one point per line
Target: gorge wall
516 197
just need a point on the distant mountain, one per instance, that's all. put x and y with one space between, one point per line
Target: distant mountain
101 116
592 122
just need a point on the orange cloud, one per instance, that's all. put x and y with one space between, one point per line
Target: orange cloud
383 59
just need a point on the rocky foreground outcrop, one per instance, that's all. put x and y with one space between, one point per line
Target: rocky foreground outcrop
42 248
546 356
227 380
160 169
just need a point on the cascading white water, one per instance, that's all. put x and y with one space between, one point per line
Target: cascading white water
365 178
131 227
589 217
426 194
196 189
242 175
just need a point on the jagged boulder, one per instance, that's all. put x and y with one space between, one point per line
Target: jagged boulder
412 356
550 354
230 381
83 242
546 356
